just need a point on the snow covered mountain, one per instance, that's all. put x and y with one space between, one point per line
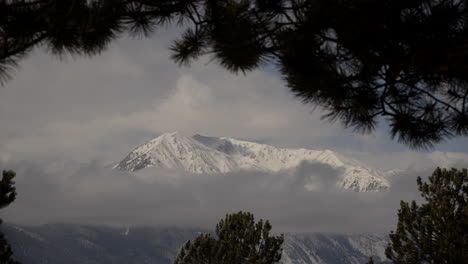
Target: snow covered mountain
211 155
338 248
76 244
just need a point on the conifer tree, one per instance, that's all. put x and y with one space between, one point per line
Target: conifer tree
436 231
7 196
238 240
362 61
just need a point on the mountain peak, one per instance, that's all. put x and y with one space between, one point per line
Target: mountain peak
210 155
171 135
177 151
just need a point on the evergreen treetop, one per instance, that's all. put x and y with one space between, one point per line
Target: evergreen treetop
239 240
436 231
7 196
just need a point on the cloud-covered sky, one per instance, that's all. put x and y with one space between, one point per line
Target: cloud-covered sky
64 119
91 194
100 107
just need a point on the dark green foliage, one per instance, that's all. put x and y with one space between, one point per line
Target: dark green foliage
239 240
7 189
362 61
83 27
371 261
7 196
437 231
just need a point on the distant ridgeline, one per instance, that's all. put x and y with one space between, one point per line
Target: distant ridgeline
212 155
78 244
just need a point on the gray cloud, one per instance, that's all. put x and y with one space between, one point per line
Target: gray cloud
102 106
56 115
411 160
91 194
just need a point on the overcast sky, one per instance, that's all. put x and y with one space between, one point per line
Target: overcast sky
64 119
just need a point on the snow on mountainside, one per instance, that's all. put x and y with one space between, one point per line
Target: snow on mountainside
209 155
329 248
77 244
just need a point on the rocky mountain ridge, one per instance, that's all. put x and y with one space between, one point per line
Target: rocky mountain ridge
77 244
212 155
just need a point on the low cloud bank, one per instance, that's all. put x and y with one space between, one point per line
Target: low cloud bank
93 194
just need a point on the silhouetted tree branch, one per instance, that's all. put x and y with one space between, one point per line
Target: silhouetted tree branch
362 61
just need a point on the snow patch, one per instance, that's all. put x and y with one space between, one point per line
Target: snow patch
211 155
